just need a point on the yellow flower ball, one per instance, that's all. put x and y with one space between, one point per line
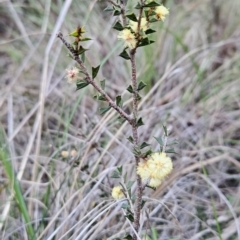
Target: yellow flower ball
128 38
144 25
155 168
117 193
161 12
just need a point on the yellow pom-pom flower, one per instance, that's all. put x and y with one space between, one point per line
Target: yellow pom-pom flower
128 38
72 74
155 168
144 25
117 193
161 12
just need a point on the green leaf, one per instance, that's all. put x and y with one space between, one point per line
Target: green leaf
124 55
133 198
145 42
132 17
147 153
153 188
159 140
139 122
104 110
115 174
138 6
101 98
108 9
143 203
141 85
130 217
130 139
152 4
85 39
95 71
136 151
69 55
129 184
153 20
83 57
149 31
144 144
165 130
119 101
81 50
102 84
119 169
81 85
171 150
116 13
130 88
128 237
118 26
125 206
138 97
121 120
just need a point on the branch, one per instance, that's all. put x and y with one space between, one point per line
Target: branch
92 82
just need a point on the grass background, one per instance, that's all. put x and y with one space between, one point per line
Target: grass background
193 77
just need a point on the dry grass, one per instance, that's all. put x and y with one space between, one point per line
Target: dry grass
193 76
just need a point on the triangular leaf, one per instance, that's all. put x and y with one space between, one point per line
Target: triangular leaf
81 85
115 174
104 110
130 88
140 122
138 6
136 151
132 17
128 237
141 85
85 39
102 98
129 184
95 71
138 97
102 84
171 150
143 203
152 4
125 206
149 31
159 140
130 139
81 50
116 13
119 169
165 130
144 144
124 55
121 120
118 26
131 218
147 153
153 20
83 57
145 42
108 9
119 101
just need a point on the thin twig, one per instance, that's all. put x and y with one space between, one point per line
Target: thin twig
92 82
123 13
140 188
